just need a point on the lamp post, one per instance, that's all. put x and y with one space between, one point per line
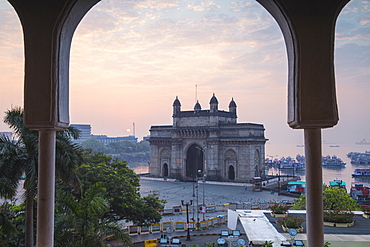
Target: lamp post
187 204
202 173
204 204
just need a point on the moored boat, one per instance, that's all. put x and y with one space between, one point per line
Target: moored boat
360 192
297 187
332 161
359 158
362 172
337 183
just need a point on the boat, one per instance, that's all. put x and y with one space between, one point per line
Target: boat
332 161
288 163
337 183
360 192
299 162
359 158
297 187
362 172
363 142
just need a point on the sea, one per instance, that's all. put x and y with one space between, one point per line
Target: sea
329 173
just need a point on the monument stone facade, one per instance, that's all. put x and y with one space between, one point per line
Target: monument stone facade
207 144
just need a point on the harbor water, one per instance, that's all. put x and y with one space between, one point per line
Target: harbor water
329 173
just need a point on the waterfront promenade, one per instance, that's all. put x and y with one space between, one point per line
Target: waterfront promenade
217 193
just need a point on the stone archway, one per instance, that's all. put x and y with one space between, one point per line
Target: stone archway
257 164
194 161
231 173
165 170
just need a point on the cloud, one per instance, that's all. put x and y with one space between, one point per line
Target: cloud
206 5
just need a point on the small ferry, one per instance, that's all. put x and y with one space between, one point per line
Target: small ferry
362 172
332 161
337 183
297 187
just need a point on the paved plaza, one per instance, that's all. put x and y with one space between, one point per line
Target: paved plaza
216 193
212 193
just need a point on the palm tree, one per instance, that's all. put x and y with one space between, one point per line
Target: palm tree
81 222
20 156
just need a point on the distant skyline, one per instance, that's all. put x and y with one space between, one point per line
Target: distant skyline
130 59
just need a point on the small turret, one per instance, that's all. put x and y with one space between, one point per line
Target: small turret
176 106
232 106
197 107
213 104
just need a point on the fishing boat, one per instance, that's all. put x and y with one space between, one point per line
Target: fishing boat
337 183
297 187
362 172
360 192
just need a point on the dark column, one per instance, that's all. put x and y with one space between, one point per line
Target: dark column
48 27
308 27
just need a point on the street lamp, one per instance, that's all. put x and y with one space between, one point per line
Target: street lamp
187 204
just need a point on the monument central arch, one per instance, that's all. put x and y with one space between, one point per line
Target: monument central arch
194 161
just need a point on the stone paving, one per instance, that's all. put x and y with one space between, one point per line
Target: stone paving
212 193
220 193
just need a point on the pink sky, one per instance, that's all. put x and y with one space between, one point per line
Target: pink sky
130 59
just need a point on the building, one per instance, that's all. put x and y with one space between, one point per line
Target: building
85 131
85 134
207 143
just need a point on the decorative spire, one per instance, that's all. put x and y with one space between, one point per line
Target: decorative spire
197 107
213 104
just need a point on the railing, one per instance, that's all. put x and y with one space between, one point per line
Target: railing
177 226
204 224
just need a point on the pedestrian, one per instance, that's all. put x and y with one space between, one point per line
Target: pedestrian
250 244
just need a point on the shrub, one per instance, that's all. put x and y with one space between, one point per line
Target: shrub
365 209
279 209
338 216
291 222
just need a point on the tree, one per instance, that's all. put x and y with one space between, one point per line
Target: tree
7 229
20 156
95 145
122 186
81 222
334 198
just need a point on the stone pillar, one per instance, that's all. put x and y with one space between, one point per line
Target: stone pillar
46 185
314 198
308 27
48 28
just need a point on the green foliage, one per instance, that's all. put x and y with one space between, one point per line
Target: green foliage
7 228
95 146
267 244
81 222
122 189
337 198
338 216
365 209
291 221
210 244
300 203
333 198
278 208
20 157
123 150
326 244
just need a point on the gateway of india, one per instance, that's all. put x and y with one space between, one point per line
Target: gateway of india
208 144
